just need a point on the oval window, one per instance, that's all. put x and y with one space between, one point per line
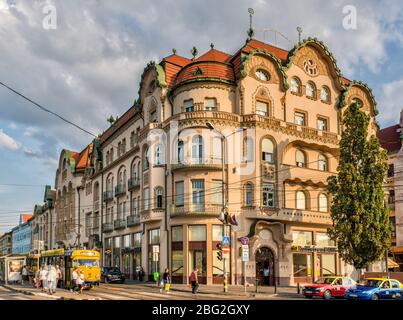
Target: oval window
262 75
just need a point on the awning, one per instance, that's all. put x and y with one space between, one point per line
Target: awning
392 264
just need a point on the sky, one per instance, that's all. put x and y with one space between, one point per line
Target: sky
86 65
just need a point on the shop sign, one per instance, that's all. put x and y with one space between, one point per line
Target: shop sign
313 249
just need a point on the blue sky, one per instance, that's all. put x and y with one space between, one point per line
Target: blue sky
89 67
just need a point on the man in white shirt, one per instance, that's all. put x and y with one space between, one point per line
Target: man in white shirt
74 277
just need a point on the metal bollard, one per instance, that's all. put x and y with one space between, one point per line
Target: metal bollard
275 286
257 283
298 288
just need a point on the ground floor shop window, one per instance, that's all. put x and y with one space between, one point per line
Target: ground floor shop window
325 265
126 265
153 253
177 254
197 251
302 267
136 254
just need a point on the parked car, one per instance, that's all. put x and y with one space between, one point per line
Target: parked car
375 289
328 287
112 274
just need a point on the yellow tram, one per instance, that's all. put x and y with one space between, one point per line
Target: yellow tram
87 261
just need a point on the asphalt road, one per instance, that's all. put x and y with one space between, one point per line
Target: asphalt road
6 294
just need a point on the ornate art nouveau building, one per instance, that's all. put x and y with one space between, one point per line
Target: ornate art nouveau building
150 186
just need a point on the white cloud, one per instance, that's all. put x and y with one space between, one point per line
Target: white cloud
8 142
13 126
391 102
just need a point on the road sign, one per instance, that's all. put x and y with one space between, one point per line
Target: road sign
156 249
225 241
245 240
245 253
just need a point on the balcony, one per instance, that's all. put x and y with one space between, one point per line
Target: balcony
120 190
119 224
196 209
132 221
107 196
198 163
152 215
107 227
133 183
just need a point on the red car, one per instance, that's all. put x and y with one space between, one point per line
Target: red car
328 287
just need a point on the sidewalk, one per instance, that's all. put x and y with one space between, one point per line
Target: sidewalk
61 294
233 290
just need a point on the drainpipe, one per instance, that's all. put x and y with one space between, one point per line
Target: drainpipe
79 218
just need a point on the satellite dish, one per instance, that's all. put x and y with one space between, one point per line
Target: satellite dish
250 10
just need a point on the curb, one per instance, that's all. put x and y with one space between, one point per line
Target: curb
38 294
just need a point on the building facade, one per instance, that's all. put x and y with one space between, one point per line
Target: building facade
391 140
148 191
6 244
21 235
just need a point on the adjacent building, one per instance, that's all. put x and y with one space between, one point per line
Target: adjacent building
21 235
391 139
5 244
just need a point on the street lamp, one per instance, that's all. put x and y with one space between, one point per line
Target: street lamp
223 213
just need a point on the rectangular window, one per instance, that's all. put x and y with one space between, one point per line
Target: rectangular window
198 195
302 265
188 105
177 234
217 233
210 104
327 265
197 233
154 236
117 242
300 118
323 240
268 195
179 194
302 238
262 108
216 190
126 241
137 240
177 251
322 124
146 198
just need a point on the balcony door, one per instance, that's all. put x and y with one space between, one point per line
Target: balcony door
198 195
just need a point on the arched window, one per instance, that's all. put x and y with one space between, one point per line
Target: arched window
295 85
262 75
322 163
267 150
159 155
325 94
134 171
159 197
300 159
197 149
248 149
323 203
300 200
181 151
146 162
248 200
310 90
358 101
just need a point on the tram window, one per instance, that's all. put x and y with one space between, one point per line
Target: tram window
86 263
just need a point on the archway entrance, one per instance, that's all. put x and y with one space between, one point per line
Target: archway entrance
265 266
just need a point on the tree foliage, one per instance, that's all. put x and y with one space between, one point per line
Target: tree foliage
361 226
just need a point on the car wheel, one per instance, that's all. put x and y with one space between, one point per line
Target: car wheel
375 297
327 295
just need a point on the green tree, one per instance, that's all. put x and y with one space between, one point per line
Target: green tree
361 226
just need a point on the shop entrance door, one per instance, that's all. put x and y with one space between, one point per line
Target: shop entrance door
265 267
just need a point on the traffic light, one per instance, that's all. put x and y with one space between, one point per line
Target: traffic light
219 252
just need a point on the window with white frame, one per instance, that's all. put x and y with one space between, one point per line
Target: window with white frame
300 118
189 105
146 199
249 195
323 203
159 195
197 149
324 94
181 151
179 194
267 150
310 90
262 108
159 155
248 149
198 194
268 195
322 163
322 124
300 200
295 86
210 104
146 163
300 158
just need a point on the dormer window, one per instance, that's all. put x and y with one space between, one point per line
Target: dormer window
210 104
189 105
262 75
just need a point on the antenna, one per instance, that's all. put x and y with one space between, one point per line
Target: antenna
250 31
299 29
276 32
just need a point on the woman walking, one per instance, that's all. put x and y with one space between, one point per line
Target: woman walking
194 281
38 282
44 278
59 277
52 280
166 281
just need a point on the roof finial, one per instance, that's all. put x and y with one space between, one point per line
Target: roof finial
194 52
299 29
212 46
174 51
250 30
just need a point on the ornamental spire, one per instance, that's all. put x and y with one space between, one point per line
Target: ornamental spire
250 31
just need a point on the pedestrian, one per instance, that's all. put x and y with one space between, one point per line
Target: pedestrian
266 275
80 282
74 277
24 278
194 281
51 280
141 274
59 277
166 281
44 278
30 275
38 282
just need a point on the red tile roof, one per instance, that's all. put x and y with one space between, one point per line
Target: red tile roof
390 138
25 217
215 55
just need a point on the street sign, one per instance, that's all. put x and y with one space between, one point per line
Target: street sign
156 249
155 256
225 241
245 240
245 253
